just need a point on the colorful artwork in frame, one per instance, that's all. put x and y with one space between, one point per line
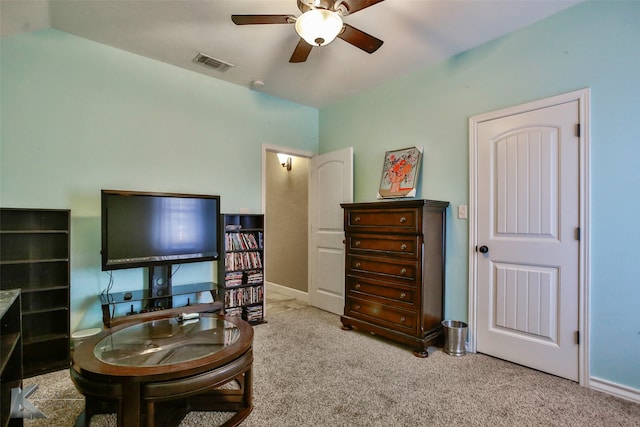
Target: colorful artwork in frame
400 173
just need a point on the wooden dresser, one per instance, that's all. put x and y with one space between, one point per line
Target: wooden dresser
395 255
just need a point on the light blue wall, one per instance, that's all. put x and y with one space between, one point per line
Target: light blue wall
596 45
78 116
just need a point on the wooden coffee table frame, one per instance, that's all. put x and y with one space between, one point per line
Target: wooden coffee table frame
154 396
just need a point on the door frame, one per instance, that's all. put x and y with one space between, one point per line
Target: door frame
294 293
584 107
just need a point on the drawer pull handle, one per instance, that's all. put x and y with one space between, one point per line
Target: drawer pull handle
403 247
357 286
402 319
403 220
358 265
356 307
403 295
356 219
403 271
357 243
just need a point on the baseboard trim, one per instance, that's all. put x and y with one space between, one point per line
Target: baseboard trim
615 389
284 290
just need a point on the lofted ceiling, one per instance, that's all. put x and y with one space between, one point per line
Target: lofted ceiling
416 34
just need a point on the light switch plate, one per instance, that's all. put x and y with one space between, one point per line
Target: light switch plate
462 211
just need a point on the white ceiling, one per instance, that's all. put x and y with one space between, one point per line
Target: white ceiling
416 34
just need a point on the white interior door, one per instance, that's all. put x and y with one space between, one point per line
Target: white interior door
331 183
528 218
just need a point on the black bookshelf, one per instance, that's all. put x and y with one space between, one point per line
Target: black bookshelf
34 257
241 272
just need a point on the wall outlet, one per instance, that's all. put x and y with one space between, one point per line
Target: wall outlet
244 210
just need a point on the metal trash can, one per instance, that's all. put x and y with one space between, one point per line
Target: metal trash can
79 336
455 335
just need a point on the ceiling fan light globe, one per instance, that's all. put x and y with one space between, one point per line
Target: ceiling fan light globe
319 27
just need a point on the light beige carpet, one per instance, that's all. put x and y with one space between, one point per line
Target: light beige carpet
309 372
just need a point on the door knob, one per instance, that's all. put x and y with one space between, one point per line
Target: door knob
483 249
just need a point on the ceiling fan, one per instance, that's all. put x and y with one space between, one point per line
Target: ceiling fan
319 24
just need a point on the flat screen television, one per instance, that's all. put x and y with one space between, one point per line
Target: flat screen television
141 229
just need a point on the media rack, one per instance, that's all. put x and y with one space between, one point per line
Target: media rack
242 274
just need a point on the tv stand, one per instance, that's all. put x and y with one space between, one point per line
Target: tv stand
160 286
140 305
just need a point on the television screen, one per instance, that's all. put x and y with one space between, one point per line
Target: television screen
148 229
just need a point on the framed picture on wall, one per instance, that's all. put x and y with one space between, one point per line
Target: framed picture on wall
400 173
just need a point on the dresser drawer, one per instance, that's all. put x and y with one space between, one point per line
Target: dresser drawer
382 292
403 269
381 314
399 220
408 246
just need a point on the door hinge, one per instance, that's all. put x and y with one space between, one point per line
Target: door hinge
577 233
578 130
578 337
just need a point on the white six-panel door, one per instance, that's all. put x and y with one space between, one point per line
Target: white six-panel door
528 259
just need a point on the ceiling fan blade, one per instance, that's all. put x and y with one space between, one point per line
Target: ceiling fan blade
354 6
301 52
360 39
262 19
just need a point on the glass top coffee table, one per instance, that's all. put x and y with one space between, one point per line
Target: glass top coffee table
129 369
166 342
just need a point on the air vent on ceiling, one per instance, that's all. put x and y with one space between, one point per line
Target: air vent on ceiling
210 62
